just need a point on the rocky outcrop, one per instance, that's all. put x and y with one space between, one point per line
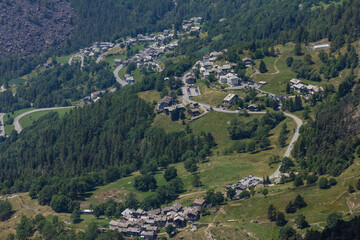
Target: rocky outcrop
28 26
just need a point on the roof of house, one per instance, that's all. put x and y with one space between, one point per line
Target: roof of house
176 206
322 46
166 99
194 110
127 211
229 97
199 201
295 81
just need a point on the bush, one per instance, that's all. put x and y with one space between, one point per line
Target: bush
312 179
5 210
332 220
332 182
289 61
286 164
323 183
145 183
298 181
169 229
244 194
286 232
170 173
351 189
301 222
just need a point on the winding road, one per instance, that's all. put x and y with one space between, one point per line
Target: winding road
118 79
2 129
298 121
78 55
17 124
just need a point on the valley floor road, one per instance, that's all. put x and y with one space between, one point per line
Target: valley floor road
17 124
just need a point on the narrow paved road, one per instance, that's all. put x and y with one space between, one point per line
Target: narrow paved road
2 129
294 138
118 79
17 124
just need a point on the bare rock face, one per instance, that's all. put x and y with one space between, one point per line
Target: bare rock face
28 26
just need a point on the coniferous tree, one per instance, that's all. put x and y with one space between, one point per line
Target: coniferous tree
262 67
290 208
298 48
301 222
271 213
299 202
280 219
75 216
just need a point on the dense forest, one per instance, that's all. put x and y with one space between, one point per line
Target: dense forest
104 20
58 85
115 133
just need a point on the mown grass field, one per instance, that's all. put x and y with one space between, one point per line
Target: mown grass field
150 96
28 120
63 59
10 128
213 95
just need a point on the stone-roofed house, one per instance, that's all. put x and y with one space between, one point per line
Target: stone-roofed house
165 102
199 202
176 207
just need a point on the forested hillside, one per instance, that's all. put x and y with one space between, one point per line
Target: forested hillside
327 144
104 20
116 132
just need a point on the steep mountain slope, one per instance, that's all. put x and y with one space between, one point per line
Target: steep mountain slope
29 26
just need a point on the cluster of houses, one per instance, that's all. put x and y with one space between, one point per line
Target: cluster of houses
190 25
231 97
161 44
166 106
242 185
225 73
146 224
97 47
96 96
148 56
303 88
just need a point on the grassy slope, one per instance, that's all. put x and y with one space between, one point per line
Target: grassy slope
28 120
213 95
277 82
10 128
251 214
